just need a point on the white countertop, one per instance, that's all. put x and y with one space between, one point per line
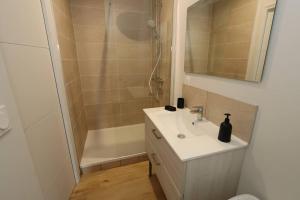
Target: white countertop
201 140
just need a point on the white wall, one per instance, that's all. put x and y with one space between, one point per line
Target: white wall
27 62
272 166
16 162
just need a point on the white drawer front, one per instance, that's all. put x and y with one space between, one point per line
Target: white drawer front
152 133
163 176
173 165
167 184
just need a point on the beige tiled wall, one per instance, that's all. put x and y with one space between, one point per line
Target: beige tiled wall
198 38
215 105
218 37
232 27
114 52
166 36
71 72
113 66
194 97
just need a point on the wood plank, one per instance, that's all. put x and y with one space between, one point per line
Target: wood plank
127 182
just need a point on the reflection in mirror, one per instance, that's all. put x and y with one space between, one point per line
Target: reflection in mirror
228 38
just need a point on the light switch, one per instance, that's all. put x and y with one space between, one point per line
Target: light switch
4 121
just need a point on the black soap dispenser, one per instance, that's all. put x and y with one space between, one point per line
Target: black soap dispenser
225 130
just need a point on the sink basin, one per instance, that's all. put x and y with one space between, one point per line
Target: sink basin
181 122
187 140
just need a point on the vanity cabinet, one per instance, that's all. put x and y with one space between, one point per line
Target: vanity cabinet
211 177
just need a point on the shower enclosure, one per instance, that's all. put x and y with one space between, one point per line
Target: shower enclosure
123 50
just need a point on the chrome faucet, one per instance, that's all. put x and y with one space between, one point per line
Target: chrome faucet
199 111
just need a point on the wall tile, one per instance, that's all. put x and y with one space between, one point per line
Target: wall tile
100 4
121 19
92 97
132 118
132 5
131 36
243 115
138 51
222 31
62 5
232 31
100 82
67 48
92 33
64 26
132 93
115 59
243 14
194 96
63 20
198 38
237 50
240 33
70 69
131 67
135 106
104 67
127 81
82 15
95 51
102 109
106 121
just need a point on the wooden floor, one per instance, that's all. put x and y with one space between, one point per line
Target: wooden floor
129 182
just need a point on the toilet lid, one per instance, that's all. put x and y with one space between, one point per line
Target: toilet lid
244 197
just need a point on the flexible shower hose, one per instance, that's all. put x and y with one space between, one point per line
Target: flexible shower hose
153 71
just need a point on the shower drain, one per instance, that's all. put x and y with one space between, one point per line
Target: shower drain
181 136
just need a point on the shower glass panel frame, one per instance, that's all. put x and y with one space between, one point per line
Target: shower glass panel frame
117 53
124 58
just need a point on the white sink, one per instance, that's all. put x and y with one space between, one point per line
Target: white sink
181 122
198 140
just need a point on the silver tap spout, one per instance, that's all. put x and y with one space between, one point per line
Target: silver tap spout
199 111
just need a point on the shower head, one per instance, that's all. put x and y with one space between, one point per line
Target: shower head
151 23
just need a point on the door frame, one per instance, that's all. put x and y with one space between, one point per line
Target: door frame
55 53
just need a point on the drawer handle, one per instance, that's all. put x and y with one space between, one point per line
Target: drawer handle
153 155
155 134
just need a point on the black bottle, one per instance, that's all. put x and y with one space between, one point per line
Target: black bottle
225 130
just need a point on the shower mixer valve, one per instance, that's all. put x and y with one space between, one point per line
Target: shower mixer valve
158 82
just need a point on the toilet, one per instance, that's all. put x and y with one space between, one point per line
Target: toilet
244 197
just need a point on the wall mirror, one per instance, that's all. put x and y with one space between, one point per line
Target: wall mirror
228 38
